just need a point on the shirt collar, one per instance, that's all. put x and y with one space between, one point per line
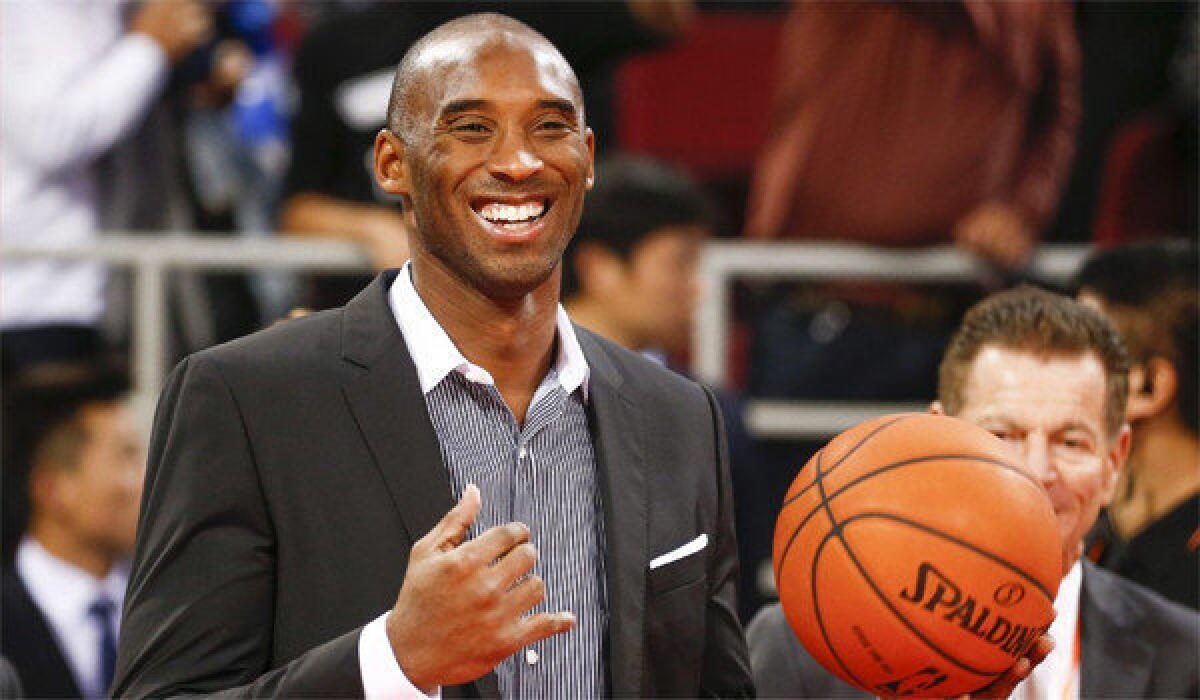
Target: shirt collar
1058 670
62 590
435 354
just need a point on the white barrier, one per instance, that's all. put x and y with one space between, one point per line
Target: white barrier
151 258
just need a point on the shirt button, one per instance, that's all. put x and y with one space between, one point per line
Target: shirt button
522 452
531 656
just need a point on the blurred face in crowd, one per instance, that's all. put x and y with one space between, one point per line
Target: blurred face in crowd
1152 384
496 161
652 294
1051 409
91 489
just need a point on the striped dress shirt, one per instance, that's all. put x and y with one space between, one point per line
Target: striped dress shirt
542 474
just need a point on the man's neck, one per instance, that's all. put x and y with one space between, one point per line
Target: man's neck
512 339
591 315
1163 472
60 544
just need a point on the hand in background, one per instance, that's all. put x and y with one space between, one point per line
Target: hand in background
997 233
460 611
666 17
178 26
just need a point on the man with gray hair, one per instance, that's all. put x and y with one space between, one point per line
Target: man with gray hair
1050 377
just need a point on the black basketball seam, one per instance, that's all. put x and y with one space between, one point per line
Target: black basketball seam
921 460
903 620
849 452
795 532
817 612
990 460
962 543
820 454
878 470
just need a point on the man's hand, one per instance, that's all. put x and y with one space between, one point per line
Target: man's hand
178 26
997 233
1003 686
461 608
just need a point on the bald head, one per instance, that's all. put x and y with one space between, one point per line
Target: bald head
458 43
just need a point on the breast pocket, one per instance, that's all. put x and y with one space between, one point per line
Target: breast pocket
679 573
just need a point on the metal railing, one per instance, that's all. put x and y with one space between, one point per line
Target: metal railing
722 263
152 258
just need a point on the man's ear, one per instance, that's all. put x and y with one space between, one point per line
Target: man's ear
391 172
1118 453
937 409
590 139
1152 388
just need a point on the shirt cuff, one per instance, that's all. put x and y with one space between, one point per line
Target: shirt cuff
143 56
382 678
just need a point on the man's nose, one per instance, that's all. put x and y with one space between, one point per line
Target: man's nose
1036 453
514 160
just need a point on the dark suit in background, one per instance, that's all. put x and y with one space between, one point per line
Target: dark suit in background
28 642
1135 644
291 471
10 684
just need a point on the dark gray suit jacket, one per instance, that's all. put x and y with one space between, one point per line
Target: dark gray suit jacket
291 471
1136 644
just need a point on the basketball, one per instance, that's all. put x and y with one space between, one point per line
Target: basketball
913 557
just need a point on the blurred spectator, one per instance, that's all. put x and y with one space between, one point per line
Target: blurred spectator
1128 48
631 273
343 73
630 276
10 682
905 124
901 123
76 81
71 448
1151 531
1149 185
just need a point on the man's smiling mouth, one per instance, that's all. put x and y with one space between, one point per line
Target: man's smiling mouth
513 217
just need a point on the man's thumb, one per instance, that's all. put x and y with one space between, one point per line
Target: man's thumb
457 522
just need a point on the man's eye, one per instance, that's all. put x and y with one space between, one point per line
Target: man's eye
554 125
470 128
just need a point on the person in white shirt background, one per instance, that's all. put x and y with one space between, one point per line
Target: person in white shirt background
74 81
72 449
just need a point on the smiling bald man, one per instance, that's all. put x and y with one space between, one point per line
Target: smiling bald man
444 486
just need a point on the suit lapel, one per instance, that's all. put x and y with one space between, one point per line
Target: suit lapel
1114 661
617 431
386 401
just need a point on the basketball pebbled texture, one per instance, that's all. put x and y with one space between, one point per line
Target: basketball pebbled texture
914 558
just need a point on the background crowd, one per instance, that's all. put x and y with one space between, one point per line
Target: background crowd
993 126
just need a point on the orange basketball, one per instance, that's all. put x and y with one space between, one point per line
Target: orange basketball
914 558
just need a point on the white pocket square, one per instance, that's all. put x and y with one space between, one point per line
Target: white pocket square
676 554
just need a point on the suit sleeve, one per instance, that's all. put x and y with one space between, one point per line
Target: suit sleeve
726 671
776 656
200 606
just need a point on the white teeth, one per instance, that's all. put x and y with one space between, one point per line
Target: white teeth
508 213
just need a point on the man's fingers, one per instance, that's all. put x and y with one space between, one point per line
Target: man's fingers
1040 650
496 542
535 628
527 594
454 525
519 561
